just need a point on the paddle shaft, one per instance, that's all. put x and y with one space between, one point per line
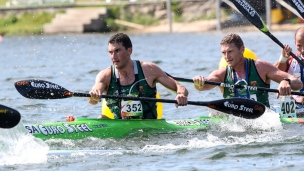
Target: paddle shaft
250 13
280 44
240 107
201 103
236 86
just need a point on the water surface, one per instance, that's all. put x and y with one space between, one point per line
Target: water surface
73 61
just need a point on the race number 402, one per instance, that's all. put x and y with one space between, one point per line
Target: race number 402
288 107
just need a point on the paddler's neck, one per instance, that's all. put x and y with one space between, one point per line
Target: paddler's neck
127 71
240 67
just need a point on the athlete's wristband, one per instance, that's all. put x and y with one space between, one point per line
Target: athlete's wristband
282 59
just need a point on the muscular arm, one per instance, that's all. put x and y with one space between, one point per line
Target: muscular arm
273 73
172 84
278 76
102 81
282 66
155 74
216 76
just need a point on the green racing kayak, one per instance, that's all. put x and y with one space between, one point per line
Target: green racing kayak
107 128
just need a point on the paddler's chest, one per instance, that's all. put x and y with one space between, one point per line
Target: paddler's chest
239 74
126 79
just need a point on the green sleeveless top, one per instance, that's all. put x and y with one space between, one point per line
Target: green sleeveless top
253 79
139 88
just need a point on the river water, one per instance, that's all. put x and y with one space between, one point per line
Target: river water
73 61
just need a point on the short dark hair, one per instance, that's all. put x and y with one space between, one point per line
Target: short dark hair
233 38
122 39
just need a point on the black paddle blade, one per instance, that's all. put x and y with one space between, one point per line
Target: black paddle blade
40 89
240 107
298 5
8 117
250 13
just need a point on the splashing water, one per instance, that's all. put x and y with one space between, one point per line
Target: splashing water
19 147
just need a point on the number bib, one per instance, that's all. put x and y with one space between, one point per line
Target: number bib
131 108
288 108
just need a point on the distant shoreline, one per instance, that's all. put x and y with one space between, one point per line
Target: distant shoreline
209 26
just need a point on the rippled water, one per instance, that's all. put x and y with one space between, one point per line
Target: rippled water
73 61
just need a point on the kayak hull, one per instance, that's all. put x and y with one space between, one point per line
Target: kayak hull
292 120
107 128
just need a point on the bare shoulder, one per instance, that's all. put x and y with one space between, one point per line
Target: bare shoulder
220 71
218 75
104 75
150 67
148 64
264 64
261 62
105 72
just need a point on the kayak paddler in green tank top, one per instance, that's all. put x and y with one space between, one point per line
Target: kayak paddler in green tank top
127 77
245 71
